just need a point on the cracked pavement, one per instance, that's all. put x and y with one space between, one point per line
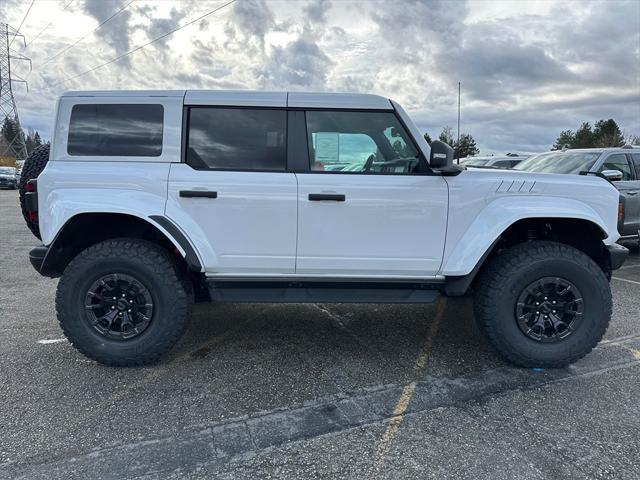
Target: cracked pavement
309 391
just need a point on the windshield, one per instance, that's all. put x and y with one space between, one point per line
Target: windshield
7 171
559 162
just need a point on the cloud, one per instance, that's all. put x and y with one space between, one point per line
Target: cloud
160 26
116 31
300 63
249 22
528 69
316 11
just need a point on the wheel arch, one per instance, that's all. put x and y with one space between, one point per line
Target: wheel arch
583 234
85 229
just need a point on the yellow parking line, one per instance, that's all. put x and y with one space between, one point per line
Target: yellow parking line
421 360
407 392
395 422
634 352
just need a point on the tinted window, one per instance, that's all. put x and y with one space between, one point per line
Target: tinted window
128 130
359 142
618 162
636 162
237 139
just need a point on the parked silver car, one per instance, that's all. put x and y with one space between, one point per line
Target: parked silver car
8 178
620 165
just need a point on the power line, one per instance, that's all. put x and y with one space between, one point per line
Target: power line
51 22
22 22
85 36
119 57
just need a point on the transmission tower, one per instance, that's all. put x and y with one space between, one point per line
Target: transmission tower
13 147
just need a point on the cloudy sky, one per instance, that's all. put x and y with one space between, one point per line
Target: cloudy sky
528 69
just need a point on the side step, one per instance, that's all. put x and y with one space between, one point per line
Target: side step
321 292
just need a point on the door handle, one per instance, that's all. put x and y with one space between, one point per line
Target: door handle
198 194
320 197
634 192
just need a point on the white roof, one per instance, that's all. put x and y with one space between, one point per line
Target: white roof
254 98
124 93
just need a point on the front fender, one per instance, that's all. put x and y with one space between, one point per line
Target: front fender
500 214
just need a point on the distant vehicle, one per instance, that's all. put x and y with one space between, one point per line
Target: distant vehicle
8 178
620 165
495 162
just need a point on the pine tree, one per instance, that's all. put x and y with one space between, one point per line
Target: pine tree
584 137
427 138
446 136
9 129
566 138
466 147
607 134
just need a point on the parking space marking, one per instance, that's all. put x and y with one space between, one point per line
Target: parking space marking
624 267
626 280
407 392
48 341
244 436
634 352
395 422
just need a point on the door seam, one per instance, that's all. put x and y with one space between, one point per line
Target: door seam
295 260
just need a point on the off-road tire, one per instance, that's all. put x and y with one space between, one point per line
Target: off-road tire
149 263
510 272
33 166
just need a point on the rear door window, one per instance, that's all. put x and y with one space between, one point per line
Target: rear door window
237 139
128 130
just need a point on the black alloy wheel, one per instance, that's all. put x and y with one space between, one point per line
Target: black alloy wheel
119 306
549 309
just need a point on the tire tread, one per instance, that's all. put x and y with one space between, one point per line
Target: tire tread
495 278
164 267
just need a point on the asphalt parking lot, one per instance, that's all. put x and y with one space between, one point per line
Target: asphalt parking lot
309 391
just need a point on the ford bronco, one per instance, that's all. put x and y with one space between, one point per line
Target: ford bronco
148 201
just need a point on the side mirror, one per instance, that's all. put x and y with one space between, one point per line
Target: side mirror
612 175
441 155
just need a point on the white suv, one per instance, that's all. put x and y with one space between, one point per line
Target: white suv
148 201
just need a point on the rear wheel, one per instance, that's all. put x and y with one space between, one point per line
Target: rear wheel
543 304
123 302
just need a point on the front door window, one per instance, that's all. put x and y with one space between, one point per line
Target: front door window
359 142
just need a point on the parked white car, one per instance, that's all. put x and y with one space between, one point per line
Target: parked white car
492 161
149 200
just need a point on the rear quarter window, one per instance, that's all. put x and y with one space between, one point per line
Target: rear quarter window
110 130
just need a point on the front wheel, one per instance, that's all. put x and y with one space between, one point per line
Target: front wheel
123 302
543 304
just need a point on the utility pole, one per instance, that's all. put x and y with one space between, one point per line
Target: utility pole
14 147
458 149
